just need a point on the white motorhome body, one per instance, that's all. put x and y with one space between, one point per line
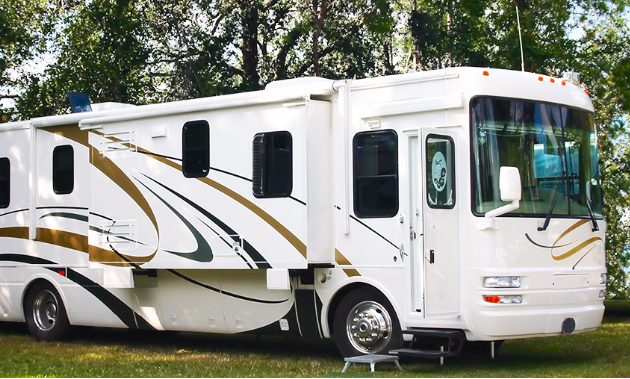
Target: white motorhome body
361 208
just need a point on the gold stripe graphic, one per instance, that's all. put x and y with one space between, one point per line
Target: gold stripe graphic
73 241
342 260
575 249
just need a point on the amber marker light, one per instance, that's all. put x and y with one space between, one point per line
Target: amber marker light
540 79
552 80
486 73
564 83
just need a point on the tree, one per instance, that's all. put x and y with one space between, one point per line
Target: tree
606 78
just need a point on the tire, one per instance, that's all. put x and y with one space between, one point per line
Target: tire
365 323
45 313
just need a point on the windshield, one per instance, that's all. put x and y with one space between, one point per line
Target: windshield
554 147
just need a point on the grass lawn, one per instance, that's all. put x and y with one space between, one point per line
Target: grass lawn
99 352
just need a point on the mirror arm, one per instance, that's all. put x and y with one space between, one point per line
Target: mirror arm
515 204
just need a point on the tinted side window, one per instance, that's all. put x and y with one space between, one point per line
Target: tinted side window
375 161
272 164
5 182
440 172
63 169
196 149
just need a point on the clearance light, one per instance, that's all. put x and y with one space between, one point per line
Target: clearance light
586 91
503 299
540 79
602 294
486 73
502 282
552 80
603 279
564 82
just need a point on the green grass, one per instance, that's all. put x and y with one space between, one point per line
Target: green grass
99 352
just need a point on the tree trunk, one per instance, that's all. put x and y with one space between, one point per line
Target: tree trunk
249 47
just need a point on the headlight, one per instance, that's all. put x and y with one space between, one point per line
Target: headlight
502 282
503 299
603 279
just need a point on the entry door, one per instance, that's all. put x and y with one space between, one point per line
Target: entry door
442 258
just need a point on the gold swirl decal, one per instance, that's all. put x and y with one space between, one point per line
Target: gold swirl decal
572 251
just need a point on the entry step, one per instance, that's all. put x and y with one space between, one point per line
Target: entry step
432 343
408 352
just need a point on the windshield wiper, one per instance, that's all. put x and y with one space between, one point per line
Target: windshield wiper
590 212
553 202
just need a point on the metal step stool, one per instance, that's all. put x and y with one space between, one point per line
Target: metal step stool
372 359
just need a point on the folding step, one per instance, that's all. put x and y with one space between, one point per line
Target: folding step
441 342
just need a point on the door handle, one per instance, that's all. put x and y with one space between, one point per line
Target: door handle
431 256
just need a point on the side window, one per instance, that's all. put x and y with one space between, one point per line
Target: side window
63 169
5 182
272 164
375 162
440 172
196 149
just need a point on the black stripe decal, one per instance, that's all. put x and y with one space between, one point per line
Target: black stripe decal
16 211
260 261
374 231
73 216
226 242
159 155
127 315
193 281
101 216
203 252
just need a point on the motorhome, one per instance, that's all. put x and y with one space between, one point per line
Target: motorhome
461 204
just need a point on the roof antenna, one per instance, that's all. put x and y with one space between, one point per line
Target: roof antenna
520 39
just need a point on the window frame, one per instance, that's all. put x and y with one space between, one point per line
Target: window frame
384 213
59 186
186 150
264 156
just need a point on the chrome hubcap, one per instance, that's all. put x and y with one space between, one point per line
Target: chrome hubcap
369 327
45 310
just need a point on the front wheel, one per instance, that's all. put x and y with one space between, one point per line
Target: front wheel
45 313
365 323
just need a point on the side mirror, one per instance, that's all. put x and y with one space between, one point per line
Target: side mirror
510 187
510 183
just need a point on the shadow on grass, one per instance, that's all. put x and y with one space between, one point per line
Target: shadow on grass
208 342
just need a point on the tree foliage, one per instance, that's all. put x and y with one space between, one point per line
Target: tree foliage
146 51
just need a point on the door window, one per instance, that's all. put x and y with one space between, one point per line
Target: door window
440 172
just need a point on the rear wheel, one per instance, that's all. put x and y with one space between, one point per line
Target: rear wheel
365 323
45 313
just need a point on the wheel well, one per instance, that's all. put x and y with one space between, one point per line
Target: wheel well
28 289
336 300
